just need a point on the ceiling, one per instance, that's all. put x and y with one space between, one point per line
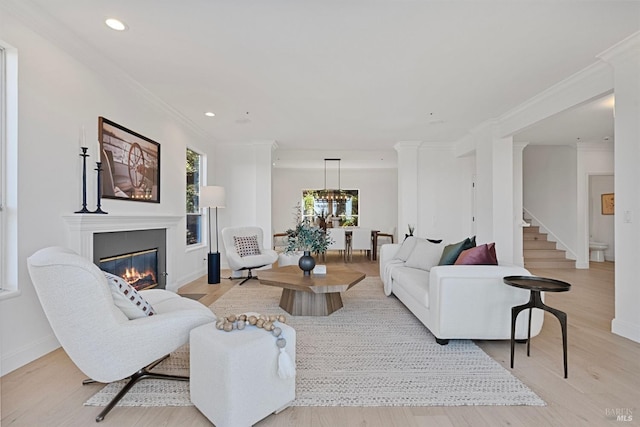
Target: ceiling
590 122
350 74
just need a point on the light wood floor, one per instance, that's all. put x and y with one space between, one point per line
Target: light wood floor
604 375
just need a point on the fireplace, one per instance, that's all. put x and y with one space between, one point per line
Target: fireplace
137 256
139 269
98 236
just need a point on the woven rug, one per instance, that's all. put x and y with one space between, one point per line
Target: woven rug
372 352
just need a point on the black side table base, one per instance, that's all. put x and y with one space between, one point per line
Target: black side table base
535 301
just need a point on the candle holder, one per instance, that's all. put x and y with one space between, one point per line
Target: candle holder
84 156
99 170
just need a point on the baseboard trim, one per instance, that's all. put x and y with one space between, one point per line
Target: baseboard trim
174 286
626 329
28 353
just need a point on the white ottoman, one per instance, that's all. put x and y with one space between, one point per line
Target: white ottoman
234 375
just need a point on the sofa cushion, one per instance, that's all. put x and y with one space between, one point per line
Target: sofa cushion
425 255
480 255
246 245
451 252
406 248
413 281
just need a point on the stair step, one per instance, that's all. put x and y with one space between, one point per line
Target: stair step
534 236
538 244
531 230
544 253
545 263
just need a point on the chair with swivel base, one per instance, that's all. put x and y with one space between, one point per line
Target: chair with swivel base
245 250
100 339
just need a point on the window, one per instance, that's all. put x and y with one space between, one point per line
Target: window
340 207
8 170
194 181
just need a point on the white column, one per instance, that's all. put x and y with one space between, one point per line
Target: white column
407 185
518 252
494 193
263 158
582 214
503 199
625 60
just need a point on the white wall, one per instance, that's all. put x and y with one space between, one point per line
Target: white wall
549 193
594 159
57 95
378 195
444 194
624 59
601 227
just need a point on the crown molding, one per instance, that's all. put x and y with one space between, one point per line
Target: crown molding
402 145
589 83
594 146
42 23
629 47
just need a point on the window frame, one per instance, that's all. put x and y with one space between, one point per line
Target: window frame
197 211
8 171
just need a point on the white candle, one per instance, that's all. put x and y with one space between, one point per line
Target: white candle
82 137
98 152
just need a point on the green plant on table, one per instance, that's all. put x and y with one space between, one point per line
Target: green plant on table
307 237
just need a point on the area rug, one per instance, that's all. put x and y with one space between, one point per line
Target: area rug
372 352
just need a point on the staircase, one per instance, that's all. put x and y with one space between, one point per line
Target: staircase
541 253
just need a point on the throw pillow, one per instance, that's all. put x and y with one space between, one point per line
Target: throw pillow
480 255
246 245
127 299
406 248
451 252
425 255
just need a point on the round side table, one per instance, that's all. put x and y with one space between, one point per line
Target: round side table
537 285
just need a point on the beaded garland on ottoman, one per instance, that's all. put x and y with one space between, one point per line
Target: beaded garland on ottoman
286 369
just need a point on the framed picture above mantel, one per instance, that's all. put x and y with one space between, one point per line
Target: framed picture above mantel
130 164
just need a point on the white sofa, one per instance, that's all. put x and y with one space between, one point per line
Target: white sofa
459 301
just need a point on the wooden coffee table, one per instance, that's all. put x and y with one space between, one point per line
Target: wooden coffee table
311 295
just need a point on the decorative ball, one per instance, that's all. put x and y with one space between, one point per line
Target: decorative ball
267 326
242 317
260 323
273 318
232 318
264 317
253 320
228 327
281 342
276 331
220 324
241 325
282 319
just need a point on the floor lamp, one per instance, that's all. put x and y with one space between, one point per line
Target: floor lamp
212 196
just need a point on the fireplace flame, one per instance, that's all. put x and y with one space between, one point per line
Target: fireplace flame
139 280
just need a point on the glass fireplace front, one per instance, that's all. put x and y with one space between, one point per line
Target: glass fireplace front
139 269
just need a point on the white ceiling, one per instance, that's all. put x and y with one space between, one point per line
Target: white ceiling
350 74
589 122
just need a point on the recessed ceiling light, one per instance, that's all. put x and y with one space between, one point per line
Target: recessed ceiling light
209 114
115 24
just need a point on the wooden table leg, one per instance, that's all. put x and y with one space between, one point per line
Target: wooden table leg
300 303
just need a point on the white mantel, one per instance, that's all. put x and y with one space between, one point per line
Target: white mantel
82 227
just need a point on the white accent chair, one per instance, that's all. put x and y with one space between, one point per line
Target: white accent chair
339 240
103 343
238 263
360 241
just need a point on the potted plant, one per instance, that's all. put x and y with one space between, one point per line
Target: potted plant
307 238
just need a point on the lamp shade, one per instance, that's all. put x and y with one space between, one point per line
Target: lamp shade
212 196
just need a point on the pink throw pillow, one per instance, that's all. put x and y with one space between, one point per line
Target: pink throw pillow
480 255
